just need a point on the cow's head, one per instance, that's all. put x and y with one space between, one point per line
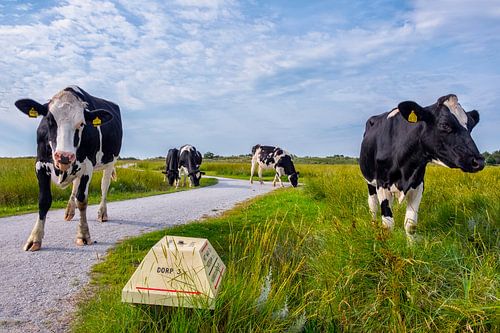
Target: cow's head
294 179
172 175
67 118
195 177
447 129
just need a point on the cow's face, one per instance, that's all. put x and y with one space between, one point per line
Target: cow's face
294 179
66 119
195 177
171 177
447 132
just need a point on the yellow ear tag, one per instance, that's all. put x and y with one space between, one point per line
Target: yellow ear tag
32 113
96 122
412 118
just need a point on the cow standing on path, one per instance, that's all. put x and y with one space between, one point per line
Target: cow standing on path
189 165
397 146
172 167
77 135
269 157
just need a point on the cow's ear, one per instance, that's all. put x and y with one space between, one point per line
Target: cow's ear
97 117
202 172
412 112
472 119
31 108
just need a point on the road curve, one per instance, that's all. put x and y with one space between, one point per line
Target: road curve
38 289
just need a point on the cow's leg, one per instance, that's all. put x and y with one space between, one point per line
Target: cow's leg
259 171
102 213
373 201
34 242
385 198
277 177
82 233
70 208
413 199
252 170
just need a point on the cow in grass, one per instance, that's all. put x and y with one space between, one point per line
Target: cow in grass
78 134
189 165
398 145
269 157
172 167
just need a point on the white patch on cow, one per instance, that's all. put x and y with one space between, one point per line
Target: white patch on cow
186 148
373 205
67 110
397 193
414 197
386 194
393 113
439 162
457 110
372 182
50 170
183 174
99 152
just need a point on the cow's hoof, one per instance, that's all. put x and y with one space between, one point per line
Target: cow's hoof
32 246
68 216
103 218
83 241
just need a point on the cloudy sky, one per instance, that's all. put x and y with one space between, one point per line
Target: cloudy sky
225 75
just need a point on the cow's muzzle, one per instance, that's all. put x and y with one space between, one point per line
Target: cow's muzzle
477 164
63 160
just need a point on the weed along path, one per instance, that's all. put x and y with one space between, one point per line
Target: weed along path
38 289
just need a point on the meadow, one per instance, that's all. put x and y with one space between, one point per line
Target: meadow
19 186
310 259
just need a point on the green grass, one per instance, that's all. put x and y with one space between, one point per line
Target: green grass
332 267
19 186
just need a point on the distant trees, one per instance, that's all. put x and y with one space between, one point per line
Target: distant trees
208 155
493 158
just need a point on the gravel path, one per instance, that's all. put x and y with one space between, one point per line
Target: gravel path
38 288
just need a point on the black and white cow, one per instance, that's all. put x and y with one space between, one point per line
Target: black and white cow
397 146
172 167
189 165
269 157
78 134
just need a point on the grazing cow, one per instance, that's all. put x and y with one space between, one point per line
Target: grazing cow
172 167
189 165
269 157
78 134
397 146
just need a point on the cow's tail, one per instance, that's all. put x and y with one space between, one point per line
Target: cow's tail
114 176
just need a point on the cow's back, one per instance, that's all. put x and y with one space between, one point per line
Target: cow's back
388 142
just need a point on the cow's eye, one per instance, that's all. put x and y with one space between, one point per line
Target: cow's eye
82 124
445 128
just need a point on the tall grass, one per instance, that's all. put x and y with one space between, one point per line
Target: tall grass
332 267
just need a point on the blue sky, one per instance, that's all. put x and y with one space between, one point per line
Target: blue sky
225 75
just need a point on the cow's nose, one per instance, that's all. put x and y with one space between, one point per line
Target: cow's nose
64 157
477 164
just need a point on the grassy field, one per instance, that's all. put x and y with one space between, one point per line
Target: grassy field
19 186
309 259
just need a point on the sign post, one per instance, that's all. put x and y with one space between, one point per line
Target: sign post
177 271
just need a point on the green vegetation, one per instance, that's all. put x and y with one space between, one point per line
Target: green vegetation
493 158
19 186
332 270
